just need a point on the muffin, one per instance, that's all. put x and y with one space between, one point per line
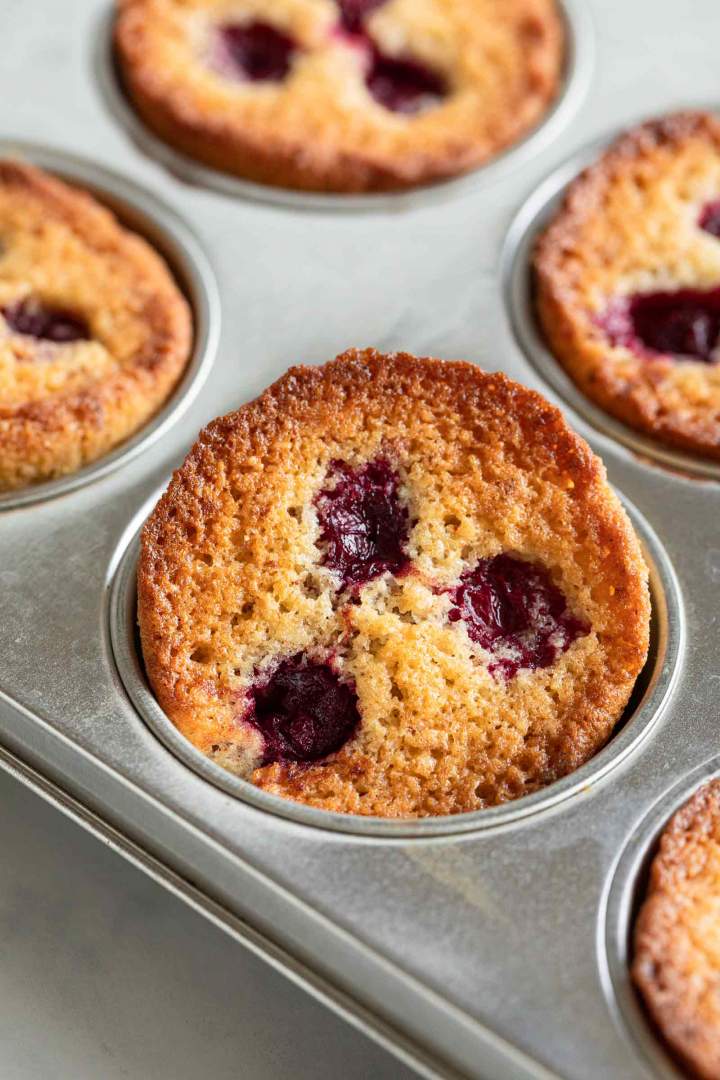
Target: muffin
340 95
94 333
628 281
677 935
392 586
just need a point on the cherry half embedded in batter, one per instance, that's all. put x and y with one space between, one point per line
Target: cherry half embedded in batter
304 711
255 51
404 86
684 323
399 84
512 608
354 12
363 524
709 219
36 319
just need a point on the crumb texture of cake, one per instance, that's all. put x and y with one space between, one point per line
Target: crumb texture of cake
393 586
627 281
341 95
677 935
94 333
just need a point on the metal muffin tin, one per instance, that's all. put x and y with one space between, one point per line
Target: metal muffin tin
491 945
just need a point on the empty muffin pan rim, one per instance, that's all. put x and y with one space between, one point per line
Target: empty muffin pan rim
623 893
145 213
576 80
516 275
662 671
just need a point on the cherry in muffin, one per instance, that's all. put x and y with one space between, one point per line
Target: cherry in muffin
31 317
512 608
253 52
363 525
304 711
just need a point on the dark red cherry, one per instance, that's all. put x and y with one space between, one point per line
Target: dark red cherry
354 12
404 86
684 323
709 219
363 524
36 319
512 608
304 711
256 51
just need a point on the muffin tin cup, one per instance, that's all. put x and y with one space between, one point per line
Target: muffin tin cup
653 690
147 215
576 81
536 212
625 891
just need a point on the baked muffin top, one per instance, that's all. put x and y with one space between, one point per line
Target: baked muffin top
628 281
94 333
395 587
341 95
677 935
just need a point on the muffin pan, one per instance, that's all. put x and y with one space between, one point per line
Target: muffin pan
491 945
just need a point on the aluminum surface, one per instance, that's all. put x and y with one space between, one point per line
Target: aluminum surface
477 953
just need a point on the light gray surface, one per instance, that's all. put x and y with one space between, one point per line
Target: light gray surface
442 937
105 975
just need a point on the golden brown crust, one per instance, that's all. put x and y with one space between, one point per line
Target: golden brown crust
630 223
677 935
63 406
231 581
320 130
